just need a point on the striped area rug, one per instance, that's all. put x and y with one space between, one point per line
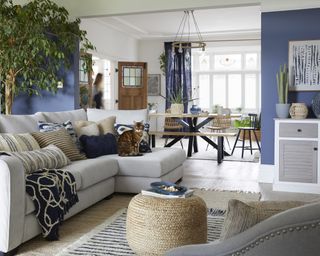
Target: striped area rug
110 237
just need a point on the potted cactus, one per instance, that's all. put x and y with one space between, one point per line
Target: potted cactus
282 108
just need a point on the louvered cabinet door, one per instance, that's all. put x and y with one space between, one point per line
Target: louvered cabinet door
298 161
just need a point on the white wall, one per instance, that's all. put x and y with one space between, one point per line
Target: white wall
149 51
110 43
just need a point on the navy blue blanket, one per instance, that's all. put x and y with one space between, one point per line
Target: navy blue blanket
53 192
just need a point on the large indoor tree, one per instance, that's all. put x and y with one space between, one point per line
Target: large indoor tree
37 40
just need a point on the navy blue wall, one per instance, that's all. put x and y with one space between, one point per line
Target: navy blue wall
277 29
67 98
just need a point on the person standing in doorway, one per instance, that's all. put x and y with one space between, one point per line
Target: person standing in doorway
98 91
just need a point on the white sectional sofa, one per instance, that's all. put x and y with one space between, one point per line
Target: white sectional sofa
96 178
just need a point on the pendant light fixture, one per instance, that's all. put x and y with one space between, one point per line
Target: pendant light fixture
182 39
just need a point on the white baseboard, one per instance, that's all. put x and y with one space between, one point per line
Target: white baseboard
266 173
296 187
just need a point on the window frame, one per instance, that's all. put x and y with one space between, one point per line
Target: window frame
196 72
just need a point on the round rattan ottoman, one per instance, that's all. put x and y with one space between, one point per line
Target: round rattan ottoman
155 225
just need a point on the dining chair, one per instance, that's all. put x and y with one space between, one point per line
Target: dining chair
170 124
251 129
221 123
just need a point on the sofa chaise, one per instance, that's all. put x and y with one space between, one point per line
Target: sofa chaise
96 178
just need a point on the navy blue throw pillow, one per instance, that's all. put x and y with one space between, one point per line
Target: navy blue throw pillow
95 146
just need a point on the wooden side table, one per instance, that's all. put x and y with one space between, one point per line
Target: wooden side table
156 225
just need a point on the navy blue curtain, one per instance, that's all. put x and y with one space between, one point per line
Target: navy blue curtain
178 73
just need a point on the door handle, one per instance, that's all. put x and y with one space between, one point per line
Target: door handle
117 101
299 130
315 149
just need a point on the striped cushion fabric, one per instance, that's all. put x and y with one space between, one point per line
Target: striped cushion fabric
50 157
50 127
242 216
62 140
17 142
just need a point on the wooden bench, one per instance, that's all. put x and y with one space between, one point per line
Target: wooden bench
204 135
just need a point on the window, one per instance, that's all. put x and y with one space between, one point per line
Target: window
230 78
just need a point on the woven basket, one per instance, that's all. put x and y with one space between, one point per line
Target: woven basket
156 225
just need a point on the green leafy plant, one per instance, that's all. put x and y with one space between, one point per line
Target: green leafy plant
176 97
37 40
163 63
283 84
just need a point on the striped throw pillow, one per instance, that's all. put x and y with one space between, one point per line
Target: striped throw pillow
62 140
50 127
17 142
50 157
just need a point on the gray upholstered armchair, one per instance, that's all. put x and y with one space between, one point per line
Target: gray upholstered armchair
295 232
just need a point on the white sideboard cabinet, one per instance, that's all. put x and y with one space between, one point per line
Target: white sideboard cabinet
296 155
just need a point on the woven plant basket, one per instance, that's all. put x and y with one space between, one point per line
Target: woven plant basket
156 225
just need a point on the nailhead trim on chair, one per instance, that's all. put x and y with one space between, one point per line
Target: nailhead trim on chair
274 234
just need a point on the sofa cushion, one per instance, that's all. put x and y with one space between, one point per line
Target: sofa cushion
18 142
20 123
92 171
62 140
95 146
242 216
60 117
50 157
122 116
154 165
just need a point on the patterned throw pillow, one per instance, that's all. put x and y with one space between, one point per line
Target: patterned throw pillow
62 140
17 142
242 216
50 157
50 127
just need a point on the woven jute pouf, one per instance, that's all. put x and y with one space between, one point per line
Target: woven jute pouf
155 225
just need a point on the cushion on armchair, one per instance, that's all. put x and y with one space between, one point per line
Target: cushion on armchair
242 216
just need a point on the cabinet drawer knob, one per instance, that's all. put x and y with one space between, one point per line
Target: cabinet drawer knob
315 149
299 130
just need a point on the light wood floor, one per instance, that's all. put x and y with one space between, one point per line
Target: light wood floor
230 175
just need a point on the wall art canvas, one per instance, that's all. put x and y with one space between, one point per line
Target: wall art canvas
154 84
304 65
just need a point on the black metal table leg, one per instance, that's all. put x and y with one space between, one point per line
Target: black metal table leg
153 140
174 141
220 149
190 146
195 139
235 143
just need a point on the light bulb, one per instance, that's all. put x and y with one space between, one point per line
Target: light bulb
180 48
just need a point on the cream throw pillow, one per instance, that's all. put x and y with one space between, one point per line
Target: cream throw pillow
90 128
242 216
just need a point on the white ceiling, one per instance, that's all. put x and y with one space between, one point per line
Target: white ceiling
211 22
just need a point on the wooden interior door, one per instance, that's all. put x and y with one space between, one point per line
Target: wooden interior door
132 85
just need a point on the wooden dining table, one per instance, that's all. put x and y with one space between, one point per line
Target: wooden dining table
192 129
